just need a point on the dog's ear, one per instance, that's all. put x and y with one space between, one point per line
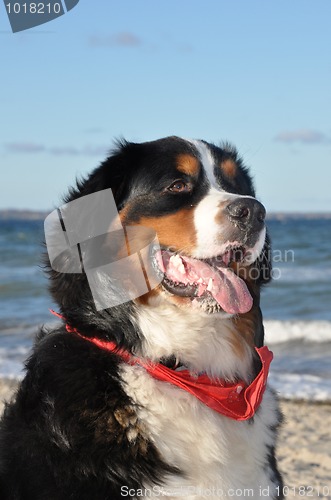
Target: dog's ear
115 173
67 271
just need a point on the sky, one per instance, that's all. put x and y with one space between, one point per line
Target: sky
256 73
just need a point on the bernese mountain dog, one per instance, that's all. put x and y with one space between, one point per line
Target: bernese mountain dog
163 393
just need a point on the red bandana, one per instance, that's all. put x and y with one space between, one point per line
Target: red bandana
235 400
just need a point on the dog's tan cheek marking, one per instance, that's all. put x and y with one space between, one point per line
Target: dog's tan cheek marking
151 297
147 297
129 243
116 240
245 325
238 340
229 167
188 164
176 231
180 301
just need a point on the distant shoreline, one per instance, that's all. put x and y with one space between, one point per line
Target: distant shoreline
26 215
298 215
17 214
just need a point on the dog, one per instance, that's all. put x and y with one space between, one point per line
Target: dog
165 392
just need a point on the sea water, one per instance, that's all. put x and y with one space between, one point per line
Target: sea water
296 305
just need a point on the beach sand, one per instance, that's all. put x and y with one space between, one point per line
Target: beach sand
304 449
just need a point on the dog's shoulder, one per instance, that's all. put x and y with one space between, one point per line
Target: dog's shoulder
70 418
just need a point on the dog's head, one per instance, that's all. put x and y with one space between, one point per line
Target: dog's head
213 252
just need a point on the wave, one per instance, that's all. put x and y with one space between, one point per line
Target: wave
301 274
12 361
302 387
277 332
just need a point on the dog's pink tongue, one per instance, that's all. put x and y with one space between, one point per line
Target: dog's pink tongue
224 285
233 295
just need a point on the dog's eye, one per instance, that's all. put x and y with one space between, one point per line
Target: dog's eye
179 187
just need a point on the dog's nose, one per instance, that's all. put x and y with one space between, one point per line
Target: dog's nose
247 213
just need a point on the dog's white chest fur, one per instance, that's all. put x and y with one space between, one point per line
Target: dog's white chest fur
215 454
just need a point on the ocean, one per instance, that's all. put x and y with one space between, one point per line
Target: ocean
296 305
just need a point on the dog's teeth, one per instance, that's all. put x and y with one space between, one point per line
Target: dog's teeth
200 281
210 285
177 262
174 260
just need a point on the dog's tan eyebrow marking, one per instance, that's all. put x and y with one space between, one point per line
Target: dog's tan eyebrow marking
229 167
188 164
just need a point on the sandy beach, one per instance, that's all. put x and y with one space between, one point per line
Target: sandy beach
304 450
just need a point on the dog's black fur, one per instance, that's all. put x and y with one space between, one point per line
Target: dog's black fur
65 435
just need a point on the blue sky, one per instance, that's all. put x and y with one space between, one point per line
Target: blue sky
254 72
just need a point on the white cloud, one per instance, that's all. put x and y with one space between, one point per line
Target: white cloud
24 147
304 136
34 148
123 39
